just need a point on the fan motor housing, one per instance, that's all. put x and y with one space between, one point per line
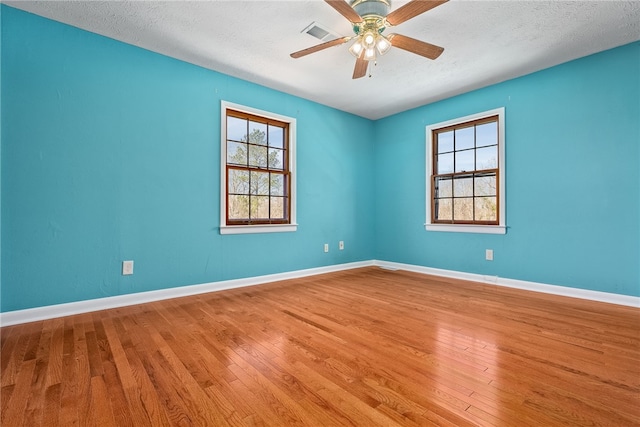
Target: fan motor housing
366 8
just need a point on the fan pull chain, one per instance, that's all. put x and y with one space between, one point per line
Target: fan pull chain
375 64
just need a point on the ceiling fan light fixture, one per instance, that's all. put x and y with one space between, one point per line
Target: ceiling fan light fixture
369 39
382 44
370 54
356 48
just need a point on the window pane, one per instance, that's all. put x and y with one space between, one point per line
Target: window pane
277 207
486 209
463 209
465 173
487 158
276 137
276 159
257 160
260 183
445 142
444 209
238 181
259 207
445 163
485 185
277 184
258 133
487 134
238 207
463 187
258 156
443 187
236 153
464 138
236 129
464 161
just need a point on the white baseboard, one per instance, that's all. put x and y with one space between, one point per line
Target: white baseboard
52 311
610 298
49 312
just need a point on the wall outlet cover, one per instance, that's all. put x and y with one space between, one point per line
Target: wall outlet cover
489 255
127 268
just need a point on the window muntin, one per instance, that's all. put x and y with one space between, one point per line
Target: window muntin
257 170
465 174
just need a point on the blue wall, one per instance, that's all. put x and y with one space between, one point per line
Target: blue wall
110 152
573 186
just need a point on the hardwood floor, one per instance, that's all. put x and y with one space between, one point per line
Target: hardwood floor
365 347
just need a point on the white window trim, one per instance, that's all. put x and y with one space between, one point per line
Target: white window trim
501 228
259 228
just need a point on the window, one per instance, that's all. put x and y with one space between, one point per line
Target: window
257 165
465 174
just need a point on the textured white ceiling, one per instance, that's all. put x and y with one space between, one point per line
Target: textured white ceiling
485 42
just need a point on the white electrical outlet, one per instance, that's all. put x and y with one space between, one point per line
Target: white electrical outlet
488 254
326 247
127 268
341 245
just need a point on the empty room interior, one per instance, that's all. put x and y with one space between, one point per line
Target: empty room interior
320 213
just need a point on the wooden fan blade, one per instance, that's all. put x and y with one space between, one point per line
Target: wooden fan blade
418 47
361 67
345 10
412 9
319 47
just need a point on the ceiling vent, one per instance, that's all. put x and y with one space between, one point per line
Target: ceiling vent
320 32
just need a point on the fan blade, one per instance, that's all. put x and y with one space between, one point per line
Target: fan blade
418 47
343 8
411 10
319 47
361 67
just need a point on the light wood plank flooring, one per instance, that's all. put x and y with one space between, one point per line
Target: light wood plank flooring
365 347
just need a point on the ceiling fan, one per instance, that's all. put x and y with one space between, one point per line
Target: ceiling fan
369 19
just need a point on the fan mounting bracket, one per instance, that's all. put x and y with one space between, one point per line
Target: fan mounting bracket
367 8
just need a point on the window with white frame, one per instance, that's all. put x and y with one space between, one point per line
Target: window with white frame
465 174
257 171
